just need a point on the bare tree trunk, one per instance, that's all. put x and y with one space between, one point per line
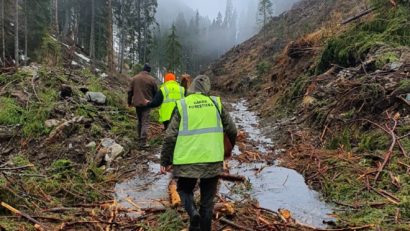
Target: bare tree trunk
145 43
110 48
26 11
67 22
56 27
3 34
92 33
139 30
16 33
122 45
122 37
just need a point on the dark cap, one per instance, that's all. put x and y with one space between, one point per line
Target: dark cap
147 67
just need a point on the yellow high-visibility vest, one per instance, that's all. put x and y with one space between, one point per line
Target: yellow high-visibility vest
200 137
171 92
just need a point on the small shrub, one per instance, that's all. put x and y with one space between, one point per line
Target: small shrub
262 68
50 52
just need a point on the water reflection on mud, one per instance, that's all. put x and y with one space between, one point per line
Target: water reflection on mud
274 187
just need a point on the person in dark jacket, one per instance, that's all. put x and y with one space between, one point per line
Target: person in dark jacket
142 87
194 149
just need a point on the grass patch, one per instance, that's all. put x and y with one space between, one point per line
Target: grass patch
11 112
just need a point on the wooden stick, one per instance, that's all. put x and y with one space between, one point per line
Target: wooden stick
17 168
404 100
20 213
386 195
129 200
389 153
226 221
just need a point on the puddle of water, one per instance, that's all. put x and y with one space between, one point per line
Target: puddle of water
274 187
277 187
147 190
248 121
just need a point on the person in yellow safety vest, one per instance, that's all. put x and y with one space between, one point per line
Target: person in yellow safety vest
193 148
169 92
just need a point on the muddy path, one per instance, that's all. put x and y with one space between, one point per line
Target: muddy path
273 187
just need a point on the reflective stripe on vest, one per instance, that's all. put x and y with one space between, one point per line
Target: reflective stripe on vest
186 132
200 136
171 91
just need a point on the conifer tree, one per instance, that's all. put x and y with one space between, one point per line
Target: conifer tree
173 51
265 11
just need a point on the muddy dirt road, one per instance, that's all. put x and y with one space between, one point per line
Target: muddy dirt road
272 186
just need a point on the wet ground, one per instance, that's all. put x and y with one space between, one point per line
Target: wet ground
272 186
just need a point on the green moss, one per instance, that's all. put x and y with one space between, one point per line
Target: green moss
34 118
20 160
123 125
11 112
16 77
116 99
373 140
341 140
15 225
389 28
386 58
95 85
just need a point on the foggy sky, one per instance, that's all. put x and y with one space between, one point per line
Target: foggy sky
212 7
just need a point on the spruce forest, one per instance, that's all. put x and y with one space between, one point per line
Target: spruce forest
107 116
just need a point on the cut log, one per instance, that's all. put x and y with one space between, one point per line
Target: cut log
174 198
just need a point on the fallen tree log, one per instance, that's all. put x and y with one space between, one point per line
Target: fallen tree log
364 13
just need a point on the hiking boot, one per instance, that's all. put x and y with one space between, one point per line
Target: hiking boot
194 224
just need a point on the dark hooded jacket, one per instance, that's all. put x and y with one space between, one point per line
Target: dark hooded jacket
200 84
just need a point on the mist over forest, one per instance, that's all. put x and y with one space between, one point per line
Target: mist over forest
206 30
181 36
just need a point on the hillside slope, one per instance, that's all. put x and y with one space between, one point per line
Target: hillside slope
335 96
